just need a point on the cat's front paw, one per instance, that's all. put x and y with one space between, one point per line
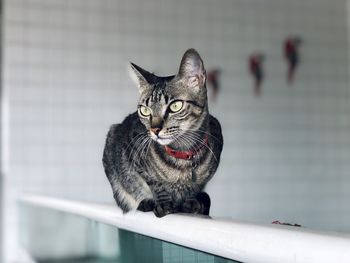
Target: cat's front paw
163 209
192 206
197 205
146 205
204 199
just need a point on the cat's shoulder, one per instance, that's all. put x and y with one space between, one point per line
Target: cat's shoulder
215 131
130 122
214 123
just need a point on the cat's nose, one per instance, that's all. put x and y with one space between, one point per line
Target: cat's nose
156 131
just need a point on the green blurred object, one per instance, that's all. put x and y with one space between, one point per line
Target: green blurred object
51 236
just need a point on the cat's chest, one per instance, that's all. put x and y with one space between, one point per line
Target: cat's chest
185 176
160 167
186 173
195 171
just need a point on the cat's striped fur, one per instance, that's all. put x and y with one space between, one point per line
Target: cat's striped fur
142 174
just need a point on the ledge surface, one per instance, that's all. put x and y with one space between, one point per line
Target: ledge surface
245 242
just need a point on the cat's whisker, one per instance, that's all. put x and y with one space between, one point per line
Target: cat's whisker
132 154
135 139
136 143
202 131
149 146
184 142
136 151
146 160
139 152
177 141
188 143
199 140
197 137
187 129
145 149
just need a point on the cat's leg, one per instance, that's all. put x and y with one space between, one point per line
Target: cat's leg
204 199
163 203
129 191
128 186
200 204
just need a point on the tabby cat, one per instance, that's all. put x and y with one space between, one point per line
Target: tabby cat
161 157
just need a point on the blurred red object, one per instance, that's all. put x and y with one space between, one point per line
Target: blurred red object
257 71
213 81
292 55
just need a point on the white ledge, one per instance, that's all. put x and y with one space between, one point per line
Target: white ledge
245 242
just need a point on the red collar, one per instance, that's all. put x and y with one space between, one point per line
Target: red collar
187 155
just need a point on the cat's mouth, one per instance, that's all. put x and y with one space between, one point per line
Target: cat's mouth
161 140
164 141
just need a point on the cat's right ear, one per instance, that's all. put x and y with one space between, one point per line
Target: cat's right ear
140 76
192 70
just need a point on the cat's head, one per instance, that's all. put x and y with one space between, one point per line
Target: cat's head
171 106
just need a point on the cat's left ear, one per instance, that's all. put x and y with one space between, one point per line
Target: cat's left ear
141 77
192 70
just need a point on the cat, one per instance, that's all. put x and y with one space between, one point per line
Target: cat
161 156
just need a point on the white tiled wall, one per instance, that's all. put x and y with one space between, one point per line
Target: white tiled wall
286 154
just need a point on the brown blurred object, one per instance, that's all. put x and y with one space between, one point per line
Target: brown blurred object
213 81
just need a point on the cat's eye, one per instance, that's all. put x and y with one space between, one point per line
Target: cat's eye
176 106
145 111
